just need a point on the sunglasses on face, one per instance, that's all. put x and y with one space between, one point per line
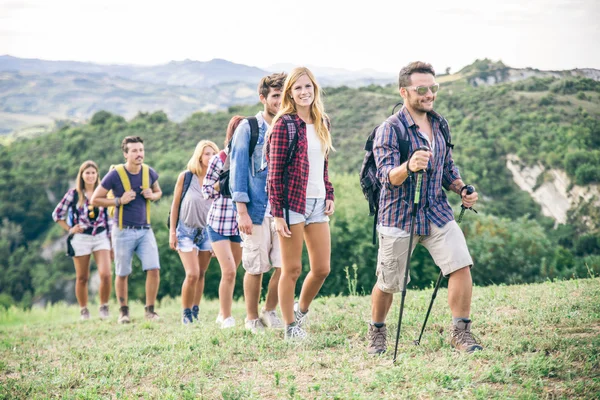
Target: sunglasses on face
422 90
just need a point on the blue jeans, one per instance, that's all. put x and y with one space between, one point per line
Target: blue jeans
126 242
315 213
217 237
189 238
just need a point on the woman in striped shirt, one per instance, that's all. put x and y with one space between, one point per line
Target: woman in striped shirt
89 232
222 229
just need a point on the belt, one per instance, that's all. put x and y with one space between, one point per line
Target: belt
137 227
89 230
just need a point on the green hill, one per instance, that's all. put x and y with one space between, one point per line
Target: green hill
541 341
551 123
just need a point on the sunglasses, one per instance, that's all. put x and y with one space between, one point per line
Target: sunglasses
422 90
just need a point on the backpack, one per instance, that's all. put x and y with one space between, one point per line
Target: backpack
224 188
370 185
187 180
127 186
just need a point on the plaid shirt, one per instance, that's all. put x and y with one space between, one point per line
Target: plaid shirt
222 215
62 211
395 202
278 142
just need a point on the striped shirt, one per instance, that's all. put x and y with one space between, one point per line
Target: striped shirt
395 202
62 212
222 215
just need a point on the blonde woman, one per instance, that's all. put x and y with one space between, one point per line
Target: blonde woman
88 234
187 228
300 193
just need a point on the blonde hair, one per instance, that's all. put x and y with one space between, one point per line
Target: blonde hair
317 111
195 165
80 183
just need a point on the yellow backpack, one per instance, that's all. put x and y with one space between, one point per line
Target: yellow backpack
127 186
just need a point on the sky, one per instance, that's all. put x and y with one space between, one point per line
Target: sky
374 34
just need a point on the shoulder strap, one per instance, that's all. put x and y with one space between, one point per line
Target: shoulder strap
253 134
126 187
146 185
401 133
187 179
74 209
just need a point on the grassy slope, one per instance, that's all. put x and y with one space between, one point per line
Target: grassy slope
542 341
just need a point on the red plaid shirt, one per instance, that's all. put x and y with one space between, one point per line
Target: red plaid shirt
280 139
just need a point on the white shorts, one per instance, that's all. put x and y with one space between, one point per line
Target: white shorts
84 245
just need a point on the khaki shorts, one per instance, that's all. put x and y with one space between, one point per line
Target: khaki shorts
260 251
446 245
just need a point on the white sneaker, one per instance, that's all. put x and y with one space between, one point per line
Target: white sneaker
219 319
301 318
255 325
271 320
228 322
294 333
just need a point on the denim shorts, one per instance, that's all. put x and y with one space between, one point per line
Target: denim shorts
217 237
189 238
315 213
126 242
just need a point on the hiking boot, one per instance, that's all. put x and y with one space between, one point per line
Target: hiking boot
150 314
124 315
103 311
377 339
195 312
294 332
85 314
270 319
461 337
255 325
228 322
188 317
301 318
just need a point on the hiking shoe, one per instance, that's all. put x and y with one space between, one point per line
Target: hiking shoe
103 311
270 319
195 312
301 318
377 339
150 314
294 332
255 325
219 319
228 322
85 314
461 337
124 315
187 318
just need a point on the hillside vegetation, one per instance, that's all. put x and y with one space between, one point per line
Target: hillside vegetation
541 341
552 121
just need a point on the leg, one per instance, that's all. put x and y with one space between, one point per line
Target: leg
102 258
192 274
203 262
272 296
227 261
460 289
121 289
291 254
318 244
381 303
152 283
147 251
252 286
82 276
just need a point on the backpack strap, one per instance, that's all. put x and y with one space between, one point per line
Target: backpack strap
126 187
253 134
74 209
401 135
146 185
290 127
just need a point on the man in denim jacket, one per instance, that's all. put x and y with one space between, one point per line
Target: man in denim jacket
248 181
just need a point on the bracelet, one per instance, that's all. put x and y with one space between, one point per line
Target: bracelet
117 201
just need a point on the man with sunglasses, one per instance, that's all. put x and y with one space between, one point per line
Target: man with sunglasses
434 224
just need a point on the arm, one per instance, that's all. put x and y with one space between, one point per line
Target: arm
212 177
99 198
278 146
153 193
177 192
240 162
387 157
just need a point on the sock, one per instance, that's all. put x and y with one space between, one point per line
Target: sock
290 325
456 320
195 311
378 324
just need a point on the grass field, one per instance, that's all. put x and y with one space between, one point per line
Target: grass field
541 341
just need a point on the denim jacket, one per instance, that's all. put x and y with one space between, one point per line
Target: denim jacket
248 182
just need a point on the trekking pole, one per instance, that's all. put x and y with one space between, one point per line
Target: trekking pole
409 251
470 189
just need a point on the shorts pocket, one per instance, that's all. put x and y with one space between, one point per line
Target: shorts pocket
389 274
251 257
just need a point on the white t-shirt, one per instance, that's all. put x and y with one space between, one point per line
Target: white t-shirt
316 159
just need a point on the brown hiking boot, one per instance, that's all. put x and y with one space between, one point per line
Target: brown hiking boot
103 311
461 337
124 315
85 314
150 314
377 339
